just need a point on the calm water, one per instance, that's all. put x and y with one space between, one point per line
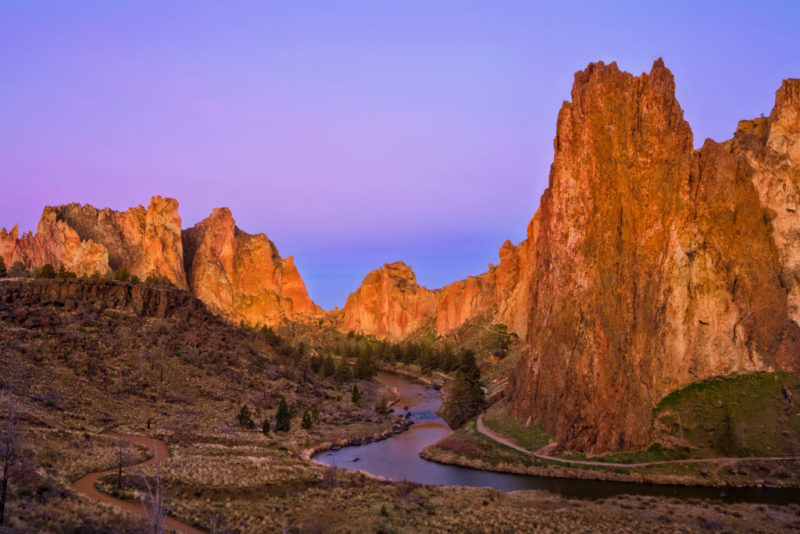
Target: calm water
398 457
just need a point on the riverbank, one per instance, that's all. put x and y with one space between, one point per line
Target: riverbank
468 447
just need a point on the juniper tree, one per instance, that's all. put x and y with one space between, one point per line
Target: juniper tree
245 418
307 422
466 398
283 419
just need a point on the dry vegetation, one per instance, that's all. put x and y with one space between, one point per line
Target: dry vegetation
81 373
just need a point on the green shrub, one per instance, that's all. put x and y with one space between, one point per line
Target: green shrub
245 418
46 271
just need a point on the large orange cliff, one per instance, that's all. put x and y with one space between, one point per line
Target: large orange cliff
655 265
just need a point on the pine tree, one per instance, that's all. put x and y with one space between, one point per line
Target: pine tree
356 394
3 270
306 420
466 398
283 419
265 427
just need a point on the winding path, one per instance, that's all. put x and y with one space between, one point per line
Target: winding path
486 431
86 485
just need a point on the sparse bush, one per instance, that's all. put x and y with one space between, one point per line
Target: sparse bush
245 418
382 405
328 368
17 270
64 274
122 274
270 337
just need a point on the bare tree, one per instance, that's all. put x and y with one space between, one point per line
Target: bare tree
155 511
9 452
404 491
123 457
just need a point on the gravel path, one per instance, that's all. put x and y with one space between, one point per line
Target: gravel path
483 429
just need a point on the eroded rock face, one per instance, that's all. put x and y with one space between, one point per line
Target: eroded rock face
242 276
389 304
654 265
86 240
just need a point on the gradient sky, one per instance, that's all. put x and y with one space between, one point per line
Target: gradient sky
351 133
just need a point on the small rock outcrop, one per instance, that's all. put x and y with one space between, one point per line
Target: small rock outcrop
242 276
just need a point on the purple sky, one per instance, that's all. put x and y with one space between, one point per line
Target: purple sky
352 134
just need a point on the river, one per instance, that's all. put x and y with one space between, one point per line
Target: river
397 458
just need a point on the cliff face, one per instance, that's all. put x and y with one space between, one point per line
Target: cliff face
242 276
390 304
86 240
143 300
654 265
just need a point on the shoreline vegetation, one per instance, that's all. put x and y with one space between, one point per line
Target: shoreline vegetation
737 431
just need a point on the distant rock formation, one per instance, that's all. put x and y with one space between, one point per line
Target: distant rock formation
390 304
655 265
86 240
237 275
242 276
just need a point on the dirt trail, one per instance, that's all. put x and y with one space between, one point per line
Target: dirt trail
86 485
483 429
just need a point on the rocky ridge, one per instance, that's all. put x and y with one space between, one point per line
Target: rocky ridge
237 275
390 303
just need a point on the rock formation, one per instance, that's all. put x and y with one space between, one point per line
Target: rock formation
86 240
143 300
389 304
655 265
238 275
242 276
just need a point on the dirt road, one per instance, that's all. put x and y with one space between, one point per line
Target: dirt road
86 485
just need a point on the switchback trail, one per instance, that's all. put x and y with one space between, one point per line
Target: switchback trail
483 429
86 485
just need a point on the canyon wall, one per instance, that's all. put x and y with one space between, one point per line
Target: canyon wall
655 265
